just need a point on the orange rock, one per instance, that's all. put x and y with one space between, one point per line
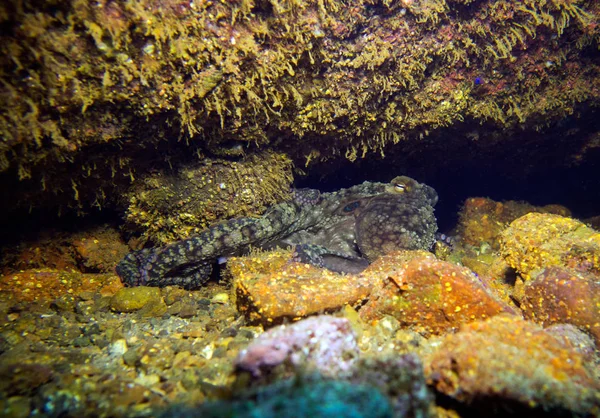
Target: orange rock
44 254
429 295
45 285
91 251
269 288
507 362
562 295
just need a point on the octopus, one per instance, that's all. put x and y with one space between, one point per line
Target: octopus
343 231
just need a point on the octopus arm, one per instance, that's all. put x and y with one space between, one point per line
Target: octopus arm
187 263
332 260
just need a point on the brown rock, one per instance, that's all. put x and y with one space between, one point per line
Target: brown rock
507 362
172 294
429 295
577 340
96 250
23 379
563 295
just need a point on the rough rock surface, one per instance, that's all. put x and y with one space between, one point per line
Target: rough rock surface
43 285
107 91
506 362
562 295
430 296
481 220
323 344
270 289
539 240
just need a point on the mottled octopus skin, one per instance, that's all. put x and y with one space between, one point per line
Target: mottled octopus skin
342 231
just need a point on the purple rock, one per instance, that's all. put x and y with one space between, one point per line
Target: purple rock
324 344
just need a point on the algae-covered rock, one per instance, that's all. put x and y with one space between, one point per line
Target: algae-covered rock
135 298
23 379
578 340
98 250
269 288
167 208
431 296
562 295
89 250
481 220
537 240
508 364
45 285
106 91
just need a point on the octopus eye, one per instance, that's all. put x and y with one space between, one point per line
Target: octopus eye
401 187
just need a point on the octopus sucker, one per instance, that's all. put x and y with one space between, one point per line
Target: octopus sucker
342 231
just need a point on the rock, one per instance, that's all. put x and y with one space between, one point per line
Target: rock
481 220
507 363
539 240
48 251
172 294
303 397
46 285
64 303
495 272
118 348
23 379
563 295
322 343
575 339
593 222
99 250
430 296
153 309
401 378
155 356
222 298
95 250
130 299
131 358
174 206
15 407
188 310
270 289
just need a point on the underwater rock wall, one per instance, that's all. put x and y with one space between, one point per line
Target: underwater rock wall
97 94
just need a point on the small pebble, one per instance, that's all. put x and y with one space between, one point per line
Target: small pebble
118 348
222 298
